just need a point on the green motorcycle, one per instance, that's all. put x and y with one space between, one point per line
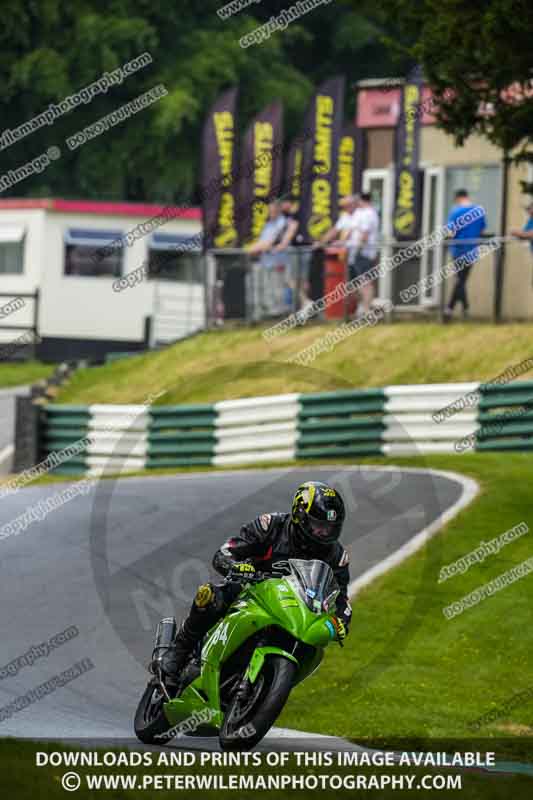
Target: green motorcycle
238 680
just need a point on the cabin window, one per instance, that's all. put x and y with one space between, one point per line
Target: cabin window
175 258
93 253
11 249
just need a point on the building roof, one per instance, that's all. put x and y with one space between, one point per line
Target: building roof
101 207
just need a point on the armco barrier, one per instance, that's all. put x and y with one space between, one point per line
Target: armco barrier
256 429
336 424
181 436
505 420
412 424
396 420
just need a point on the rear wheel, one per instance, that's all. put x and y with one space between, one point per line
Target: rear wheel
151 724
247 720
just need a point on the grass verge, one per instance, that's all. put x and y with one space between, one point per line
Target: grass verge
230 364
23 373
407 670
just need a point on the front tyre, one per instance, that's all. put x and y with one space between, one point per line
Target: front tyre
246 722
151 725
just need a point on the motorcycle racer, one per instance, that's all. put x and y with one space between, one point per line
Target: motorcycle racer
311 530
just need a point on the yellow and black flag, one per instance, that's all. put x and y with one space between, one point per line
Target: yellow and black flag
350 161
319 196
406 218
218 174
261 170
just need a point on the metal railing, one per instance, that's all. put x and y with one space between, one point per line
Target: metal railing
414 276
22 344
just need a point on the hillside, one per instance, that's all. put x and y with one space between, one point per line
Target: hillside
237 363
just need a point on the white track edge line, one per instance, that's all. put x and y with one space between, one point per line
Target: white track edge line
6 453
470 490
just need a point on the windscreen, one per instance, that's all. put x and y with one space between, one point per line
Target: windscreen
315 583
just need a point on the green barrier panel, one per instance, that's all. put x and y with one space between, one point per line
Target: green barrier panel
339 424
369 449
66 408
181 423
506 417
516 429
507 388
192 461
498 444
70 434
185 435
181 435
501 400
69 468
199 408
334 409
65 426
68 423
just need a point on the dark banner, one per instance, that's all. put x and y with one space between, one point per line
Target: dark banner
406 218
293 174
218 168
350 161
261 170
319 198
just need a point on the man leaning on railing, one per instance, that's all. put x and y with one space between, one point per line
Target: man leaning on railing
270 260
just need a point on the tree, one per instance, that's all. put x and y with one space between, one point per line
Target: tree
481 51
50 49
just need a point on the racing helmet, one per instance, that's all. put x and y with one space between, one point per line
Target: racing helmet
317 514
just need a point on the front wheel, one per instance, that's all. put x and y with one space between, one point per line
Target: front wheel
151 725
247 721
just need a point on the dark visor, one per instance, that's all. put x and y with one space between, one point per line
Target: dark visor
323 529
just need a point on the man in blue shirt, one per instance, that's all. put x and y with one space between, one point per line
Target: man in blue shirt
268 279
527 231
465 221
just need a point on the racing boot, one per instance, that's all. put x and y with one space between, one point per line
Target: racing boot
177 655
204 612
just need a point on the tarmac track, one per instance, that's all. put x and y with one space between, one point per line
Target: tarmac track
113 561
7 425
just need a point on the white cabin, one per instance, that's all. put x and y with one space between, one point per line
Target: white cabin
51 260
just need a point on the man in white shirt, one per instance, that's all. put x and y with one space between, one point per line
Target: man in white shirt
362 241
344 224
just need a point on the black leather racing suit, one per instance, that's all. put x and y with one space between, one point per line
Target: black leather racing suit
268 538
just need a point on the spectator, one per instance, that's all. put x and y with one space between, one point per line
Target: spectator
271 262
527 231
297 262
272 230
339 232
472 230
362 240
344 224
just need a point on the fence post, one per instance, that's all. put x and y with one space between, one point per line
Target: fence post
27 433
500 254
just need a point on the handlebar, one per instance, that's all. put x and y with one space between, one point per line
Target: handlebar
279 569
254 577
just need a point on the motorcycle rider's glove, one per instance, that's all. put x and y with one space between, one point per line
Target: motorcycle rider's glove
341 630
242 570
